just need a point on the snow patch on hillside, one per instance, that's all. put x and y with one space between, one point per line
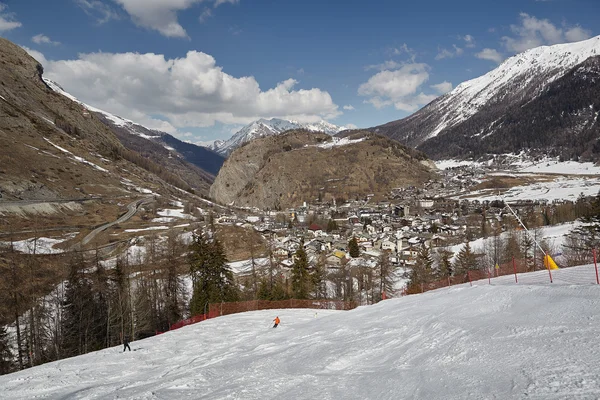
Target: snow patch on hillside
337 142
549 62
41 245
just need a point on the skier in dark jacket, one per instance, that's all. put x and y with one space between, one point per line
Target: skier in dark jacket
126 344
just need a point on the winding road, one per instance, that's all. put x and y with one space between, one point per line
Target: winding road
131 210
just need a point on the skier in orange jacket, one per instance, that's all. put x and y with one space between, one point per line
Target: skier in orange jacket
277 321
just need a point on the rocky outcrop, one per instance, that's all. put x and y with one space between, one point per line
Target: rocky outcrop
284 171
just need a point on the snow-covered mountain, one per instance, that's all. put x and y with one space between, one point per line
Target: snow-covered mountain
476 109
205 159
269 127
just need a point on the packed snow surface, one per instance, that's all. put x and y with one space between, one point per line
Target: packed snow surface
502 341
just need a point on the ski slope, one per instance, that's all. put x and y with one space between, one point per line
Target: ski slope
499 341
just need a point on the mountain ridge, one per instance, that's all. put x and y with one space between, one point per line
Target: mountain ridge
277 172
519 80
269 127
205 159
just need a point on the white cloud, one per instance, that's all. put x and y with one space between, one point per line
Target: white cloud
404 50
43 39
577 34
533 32
398 88
395 84
161 15
39 57
445 53
7 20
348 107
490 54
191 91
469 41
206 14
98 10
350 126
443 87
219 2
390 64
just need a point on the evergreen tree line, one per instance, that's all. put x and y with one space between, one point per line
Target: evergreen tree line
92 308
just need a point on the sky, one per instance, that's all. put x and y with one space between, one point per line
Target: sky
202 69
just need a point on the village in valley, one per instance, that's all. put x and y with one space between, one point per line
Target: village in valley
440 216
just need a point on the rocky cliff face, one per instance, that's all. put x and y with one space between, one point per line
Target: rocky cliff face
284 171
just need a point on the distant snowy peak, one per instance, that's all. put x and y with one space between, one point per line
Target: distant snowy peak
270 127
518 80
536 67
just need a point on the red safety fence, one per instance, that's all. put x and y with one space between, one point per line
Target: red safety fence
218 309
193 320
516 272
254 305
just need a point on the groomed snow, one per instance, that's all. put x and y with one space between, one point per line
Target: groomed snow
501 341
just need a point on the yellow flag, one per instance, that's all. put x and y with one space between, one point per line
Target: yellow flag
549 262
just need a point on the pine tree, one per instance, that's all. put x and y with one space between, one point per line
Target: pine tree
424 263
6 356
512 248
212 279
173 284
422 271
120 303
301 279
78 310
331 226
353 248
386 274
445 268
465 260
319 276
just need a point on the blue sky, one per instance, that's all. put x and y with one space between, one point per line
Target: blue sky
201 69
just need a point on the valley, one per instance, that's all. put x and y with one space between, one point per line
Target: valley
147 186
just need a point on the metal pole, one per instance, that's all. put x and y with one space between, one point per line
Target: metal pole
596 266
515 268
524 227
